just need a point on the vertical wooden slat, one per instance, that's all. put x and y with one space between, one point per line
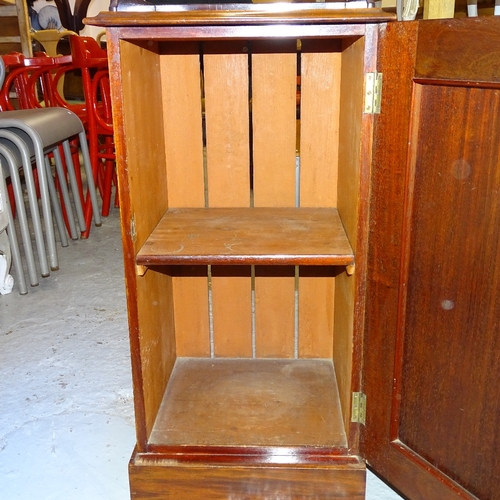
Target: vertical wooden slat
181 80
228 172
274 77
274 84
181 86
227 124
319 123
319 131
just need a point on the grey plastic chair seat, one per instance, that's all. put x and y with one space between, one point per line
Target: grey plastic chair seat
20 157
53 125
43 130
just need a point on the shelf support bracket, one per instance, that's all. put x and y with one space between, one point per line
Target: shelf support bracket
141 270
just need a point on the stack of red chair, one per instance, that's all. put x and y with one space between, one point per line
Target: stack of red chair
91 60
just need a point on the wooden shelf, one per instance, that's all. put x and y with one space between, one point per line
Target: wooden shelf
280 236
250 402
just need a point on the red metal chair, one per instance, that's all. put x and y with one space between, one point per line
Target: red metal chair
92 60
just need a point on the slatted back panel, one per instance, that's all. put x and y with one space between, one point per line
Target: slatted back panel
240 100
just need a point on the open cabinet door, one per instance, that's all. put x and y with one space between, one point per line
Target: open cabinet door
431 366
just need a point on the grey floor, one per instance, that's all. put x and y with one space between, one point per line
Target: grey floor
66 414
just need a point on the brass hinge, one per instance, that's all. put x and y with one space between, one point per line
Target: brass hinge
373 93
358 414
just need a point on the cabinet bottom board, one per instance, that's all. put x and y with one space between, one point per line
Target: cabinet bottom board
250 402
154 478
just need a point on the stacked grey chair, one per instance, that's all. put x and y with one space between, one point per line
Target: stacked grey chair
9 246
28 136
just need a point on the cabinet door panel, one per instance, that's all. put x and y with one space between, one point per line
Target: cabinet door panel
450 321
434 277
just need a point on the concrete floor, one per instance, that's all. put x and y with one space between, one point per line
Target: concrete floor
66 413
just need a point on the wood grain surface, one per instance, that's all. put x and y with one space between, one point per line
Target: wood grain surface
254 402
282 236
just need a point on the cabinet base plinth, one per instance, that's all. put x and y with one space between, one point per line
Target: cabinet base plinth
152 477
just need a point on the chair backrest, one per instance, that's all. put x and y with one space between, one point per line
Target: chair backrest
86 52
92 60
15 82
32 81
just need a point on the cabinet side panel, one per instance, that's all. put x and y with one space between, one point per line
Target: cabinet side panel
182 110
226 91
351 112
318 148
351 109
274 87
139 141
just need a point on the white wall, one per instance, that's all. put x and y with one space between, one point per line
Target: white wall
95 7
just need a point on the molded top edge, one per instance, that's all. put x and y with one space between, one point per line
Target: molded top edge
308 13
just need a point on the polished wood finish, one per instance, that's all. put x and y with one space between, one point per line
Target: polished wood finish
453 52
413 324
286 236
295 15
458 204
218 143
153 478
252 403
432 301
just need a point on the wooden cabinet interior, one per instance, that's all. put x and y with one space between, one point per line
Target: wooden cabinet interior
231 140
244 184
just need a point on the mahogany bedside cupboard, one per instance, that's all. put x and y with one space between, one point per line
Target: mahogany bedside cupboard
310 203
